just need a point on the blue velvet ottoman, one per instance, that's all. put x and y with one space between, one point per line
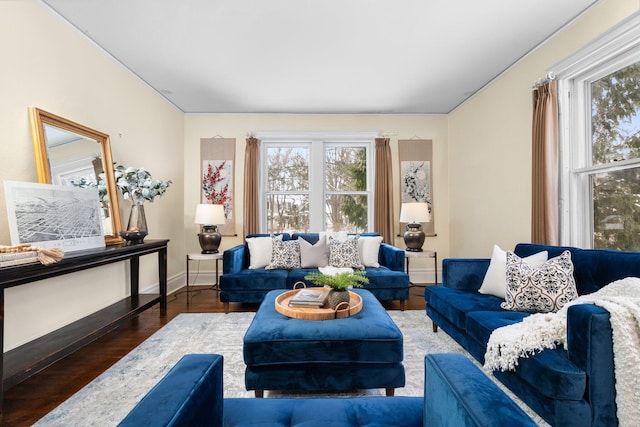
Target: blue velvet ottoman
363 351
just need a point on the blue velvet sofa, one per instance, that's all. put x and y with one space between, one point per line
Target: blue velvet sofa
238 283
456 394
573 386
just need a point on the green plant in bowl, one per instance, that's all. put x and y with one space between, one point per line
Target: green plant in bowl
339 282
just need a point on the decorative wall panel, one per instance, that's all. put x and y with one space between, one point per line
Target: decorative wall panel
217 160
416 176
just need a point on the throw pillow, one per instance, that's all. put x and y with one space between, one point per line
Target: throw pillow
344 254
313 255
284 255
495 281
260 251
337 235
539 290
368 249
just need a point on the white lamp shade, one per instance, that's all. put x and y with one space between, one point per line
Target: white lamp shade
207 214
415 212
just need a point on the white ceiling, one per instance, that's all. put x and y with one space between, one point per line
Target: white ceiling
318 56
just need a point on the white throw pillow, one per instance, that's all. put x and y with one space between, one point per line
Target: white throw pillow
368 249
260 251
495 280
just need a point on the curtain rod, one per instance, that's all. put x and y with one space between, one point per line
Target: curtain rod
549 77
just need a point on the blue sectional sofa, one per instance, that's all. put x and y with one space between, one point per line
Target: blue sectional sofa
239 283
573 386
456 394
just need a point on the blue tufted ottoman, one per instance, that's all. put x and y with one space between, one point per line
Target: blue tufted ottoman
363 351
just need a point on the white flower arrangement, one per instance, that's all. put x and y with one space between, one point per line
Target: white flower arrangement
136 184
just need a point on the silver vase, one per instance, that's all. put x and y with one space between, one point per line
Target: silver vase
137 225
336 297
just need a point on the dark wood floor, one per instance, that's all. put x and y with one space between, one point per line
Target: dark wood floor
27 402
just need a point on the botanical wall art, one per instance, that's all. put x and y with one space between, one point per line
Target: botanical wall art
416 175
416 186
217 157
49 216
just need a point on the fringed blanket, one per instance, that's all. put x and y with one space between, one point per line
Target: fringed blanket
539 331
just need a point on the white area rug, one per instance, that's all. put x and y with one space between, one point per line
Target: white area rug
110 397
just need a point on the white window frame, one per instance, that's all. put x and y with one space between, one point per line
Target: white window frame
616 49
317 140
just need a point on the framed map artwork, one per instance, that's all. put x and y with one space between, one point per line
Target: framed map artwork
49 216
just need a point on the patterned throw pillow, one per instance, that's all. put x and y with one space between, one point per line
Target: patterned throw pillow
284 255
539 290
495 279
344 254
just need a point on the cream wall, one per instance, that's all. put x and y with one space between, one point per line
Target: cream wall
481 151
48 64
396 127
490 142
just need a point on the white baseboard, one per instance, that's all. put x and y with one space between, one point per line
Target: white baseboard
176 283
423 276
202 278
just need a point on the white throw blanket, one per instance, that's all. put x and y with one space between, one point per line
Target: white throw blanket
539 331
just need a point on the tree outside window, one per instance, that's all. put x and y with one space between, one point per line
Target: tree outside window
316 185
346 198
287 189
615 136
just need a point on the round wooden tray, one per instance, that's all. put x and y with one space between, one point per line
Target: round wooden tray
313 313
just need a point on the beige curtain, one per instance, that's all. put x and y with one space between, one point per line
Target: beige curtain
383 191
545 167
251 222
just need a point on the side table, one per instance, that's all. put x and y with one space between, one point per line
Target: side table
198 256
423 254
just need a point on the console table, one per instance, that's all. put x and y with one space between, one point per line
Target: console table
22 362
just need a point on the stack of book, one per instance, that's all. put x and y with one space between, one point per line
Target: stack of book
309 298
13 259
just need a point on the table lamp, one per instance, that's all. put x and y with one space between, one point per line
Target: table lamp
413 214
209 217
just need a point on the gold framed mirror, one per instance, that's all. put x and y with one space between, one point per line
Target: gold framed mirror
68 153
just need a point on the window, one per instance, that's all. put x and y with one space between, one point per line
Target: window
346 184
599 96
287 187
316 181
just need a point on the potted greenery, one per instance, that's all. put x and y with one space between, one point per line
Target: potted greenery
137 186
339 284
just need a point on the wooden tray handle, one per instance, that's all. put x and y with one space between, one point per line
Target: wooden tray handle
343 306
299 282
